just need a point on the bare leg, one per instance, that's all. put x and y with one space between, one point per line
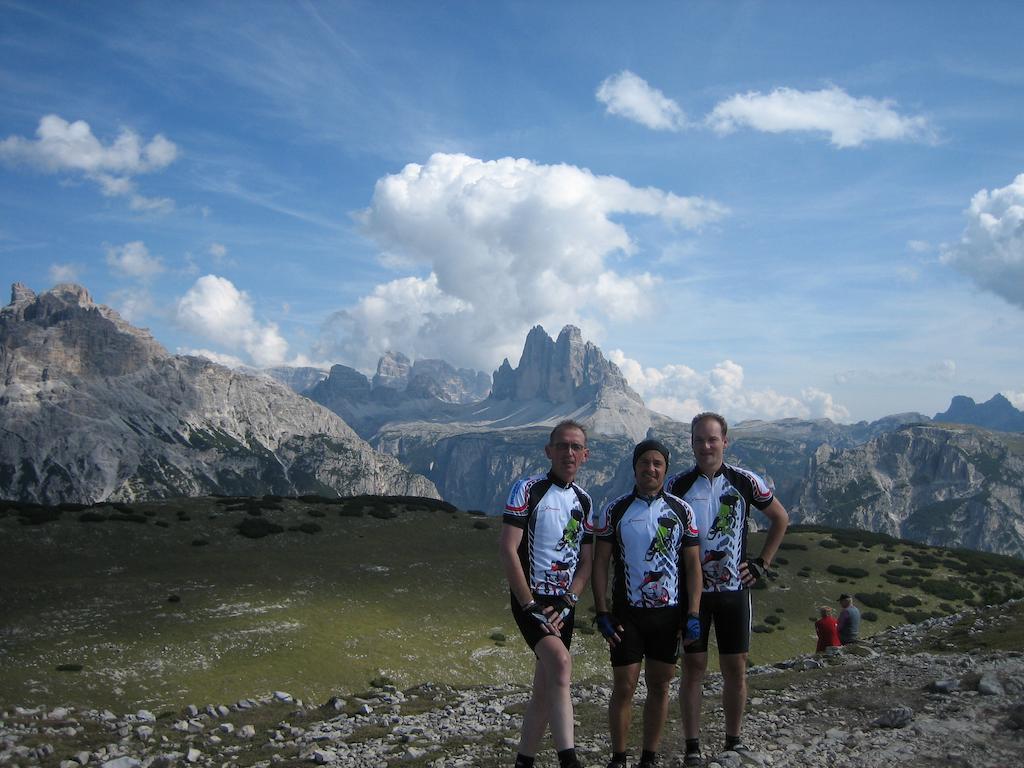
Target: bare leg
734 690
659 680
690 688
535 718
620 706
550 704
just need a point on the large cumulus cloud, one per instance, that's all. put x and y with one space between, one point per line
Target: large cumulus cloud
991 249
500 245
216 310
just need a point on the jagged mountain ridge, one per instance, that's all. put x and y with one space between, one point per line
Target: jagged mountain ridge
95 409
996 413
931 483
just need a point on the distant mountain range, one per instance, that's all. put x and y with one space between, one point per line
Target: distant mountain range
92 408
997 413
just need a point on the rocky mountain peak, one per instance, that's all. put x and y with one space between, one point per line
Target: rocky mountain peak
563 371
63 331
997 413
393 371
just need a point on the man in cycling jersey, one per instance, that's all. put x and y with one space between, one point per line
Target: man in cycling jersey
721 496
545 549
651 541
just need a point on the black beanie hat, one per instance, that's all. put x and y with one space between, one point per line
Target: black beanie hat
650 444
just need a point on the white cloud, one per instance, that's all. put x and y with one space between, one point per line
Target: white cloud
133 260
681 392
63 147
64 273
849 121
133 304
1017 398
919 246
218 251
228 361
215 309
631 97
501 246
991 249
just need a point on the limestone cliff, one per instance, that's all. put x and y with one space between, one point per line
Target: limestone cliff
939 484
92 408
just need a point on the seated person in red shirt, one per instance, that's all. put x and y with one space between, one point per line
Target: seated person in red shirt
828 630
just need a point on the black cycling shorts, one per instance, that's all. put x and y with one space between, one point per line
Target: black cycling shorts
530 628
730 613
651 633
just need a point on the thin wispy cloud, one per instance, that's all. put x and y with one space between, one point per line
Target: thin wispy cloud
630 96
847 120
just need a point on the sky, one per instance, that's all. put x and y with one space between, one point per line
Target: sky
785 209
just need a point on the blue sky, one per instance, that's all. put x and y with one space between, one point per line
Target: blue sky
770 209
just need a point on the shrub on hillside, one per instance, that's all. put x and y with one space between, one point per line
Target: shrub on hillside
383 514
948 590
879 600
772 619
842 570
907 601
763 629
793 545
829 544
481 525
258 527
869 616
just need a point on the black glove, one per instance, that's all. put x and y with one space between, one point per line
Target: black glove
536 611
607 624
564 604
757 569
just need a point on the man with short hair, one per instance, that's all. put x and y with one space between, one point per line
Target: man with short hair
849 620
545 551
650 538
721 496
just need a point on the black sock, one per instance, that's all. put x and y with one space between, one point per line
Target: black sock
647 756
692 745
619 757
567 758
522 761
731 741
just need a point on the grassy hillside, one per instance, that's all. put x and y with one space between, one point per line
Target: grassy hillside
161 604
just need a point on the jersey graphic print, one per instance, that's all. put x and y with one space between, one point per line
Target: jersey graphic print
647 538
722 507
556 519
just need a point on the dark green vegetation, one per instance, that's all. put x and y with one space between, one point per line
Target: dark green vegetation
119 606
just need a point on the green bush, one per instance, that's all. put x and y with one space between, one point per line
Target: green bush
481 525
869 616
772 619
947 590
842 570
829 544
879 600
763 629
907 601
384 514
793 545
498 637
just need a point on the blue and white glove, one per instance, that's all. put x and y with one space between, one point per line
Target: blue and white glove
692 633
607 624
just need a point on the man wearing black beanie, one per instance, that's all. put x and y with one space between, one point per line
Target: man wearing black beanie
650 538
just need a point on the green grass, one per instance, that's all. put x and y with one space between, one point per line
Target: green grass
415 597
